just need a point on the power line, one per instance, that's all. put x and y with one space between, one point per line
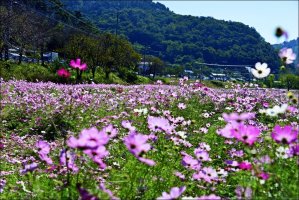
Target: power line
53 19
221 65
71 14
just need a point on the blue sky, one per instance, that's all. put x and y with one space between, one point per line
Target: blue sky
264 16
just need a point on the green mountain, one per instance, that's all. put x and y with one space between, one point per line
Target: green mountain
155 30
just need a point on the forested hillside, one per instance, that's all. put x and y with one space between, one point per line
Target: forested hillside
156 30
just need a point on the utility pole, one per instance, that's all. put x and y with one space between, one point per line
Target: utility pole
117 19
7 30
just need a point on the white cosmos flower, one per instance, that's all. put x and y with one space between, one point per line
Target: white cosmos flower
276 110
261 70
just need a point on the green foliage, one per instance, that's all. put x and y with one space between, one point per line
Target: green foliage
175 38
290 81
29 72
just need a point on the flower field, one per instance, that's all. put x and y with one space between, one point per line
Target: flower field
148 141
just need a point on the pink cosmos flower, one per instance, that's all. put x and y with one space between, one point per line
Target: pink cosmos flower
110 130
207 173
2 185
29 168
180 175
159 124
127 124
63 73
88 139
246 134
136 144
84 194
189 162
284 135
209 197
202 155
43 151
70 157
287 55
264 175
181 106
107 191
235 117
245 165
175 193
76 64
227 131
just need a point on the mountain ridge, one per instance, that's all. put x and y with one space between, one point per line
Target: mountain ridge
155 30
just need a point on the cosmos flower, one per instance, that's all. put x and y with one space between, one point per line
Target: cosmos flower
2 185
246 134
207 173
136 144
182 106
261 70
284 135
245 165
67 157
88 139
209 197
43 151
29 168
189 162
127 124
175 193
264 175
180 175
235 117
63 73
107 191
287 55
110 130
76 64
159 123
202 155
84 194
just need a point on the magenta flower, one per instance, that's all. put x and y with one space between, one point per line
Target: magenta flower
246 134
29 168
70 158
235 117
92 142
207 173
287 55
136 144
227 131
63 73
175 193
189 162
110 130
107 191
84 194
159 124
43 151
182 106
245 165
284 135
264 175
202 155
127 124
2 185
76 64
209 197
89 139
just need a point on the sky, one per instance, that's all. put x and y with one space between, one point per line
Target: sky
264 16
